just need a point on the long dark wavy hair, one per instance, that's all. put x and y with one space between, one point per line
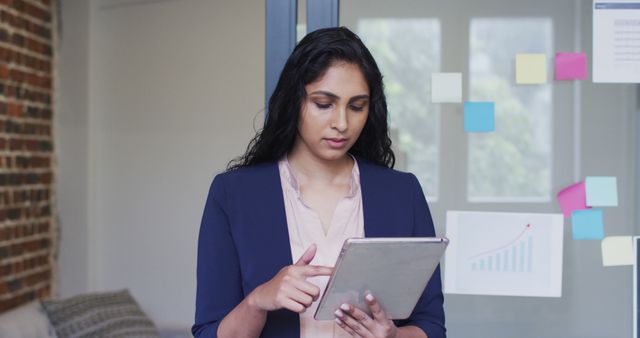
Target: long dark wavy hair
309 61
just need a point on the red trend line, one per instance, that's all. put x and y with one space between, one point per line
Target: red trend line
526 227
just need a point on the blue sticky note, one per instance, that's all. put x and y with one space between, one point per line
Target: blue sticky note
602 191
587 224
479 117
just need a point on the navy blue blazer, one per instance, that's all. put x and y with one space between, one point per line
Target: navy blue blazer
244 242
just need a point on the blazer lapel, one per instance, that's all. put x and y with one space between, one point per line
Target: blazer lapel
275 246
374 203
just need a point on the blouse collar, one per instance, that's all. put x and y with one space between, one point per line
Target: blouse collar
290 178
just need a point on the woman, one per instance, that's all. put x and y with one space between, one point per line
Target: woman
318 173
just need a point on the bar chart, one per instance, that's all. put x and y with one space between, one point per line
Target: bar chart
514 256
504 254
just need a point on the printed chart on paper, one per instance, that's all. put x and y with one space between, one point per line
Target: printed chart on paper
510 254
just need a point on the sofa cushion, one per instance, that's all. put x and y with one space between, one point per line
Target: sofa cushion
106 314
26 321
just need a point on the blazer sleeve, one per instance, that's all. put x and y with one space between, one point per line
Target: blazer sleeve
429 312
219 283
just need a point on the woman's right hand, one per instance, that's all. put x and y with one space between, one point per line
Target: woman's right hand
289 289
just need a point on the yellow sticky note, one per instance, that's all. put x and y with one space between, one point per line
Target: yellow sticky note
617 250
531 68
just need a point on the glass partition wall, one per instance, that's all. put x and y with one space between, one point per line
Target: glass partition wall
547 136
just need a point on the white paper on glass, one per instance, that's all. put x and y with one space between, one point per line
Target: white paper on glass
616 41
446 87
504 254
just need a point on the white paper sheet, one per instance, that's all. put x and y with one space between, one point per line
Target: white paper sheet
506 254
616 41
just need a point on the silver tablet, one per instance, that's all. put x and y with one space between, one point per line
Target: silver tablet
395 270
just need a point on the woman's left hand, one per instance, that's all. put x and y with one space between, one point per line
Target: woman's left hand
359 324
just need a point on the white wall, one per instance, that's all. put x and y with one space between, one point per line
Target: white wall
71 139
173 89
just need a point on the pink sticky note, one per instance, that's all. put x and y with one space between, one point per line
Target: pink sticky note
573 197
571 66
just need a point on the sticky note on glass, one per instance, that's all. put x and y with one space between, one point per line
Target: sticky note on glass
602 191
587 224
571 66
617 250
446 87
479 117
572 198
531 68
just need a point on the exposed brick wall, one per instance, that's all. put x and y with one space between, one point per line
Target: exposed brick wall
27 224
